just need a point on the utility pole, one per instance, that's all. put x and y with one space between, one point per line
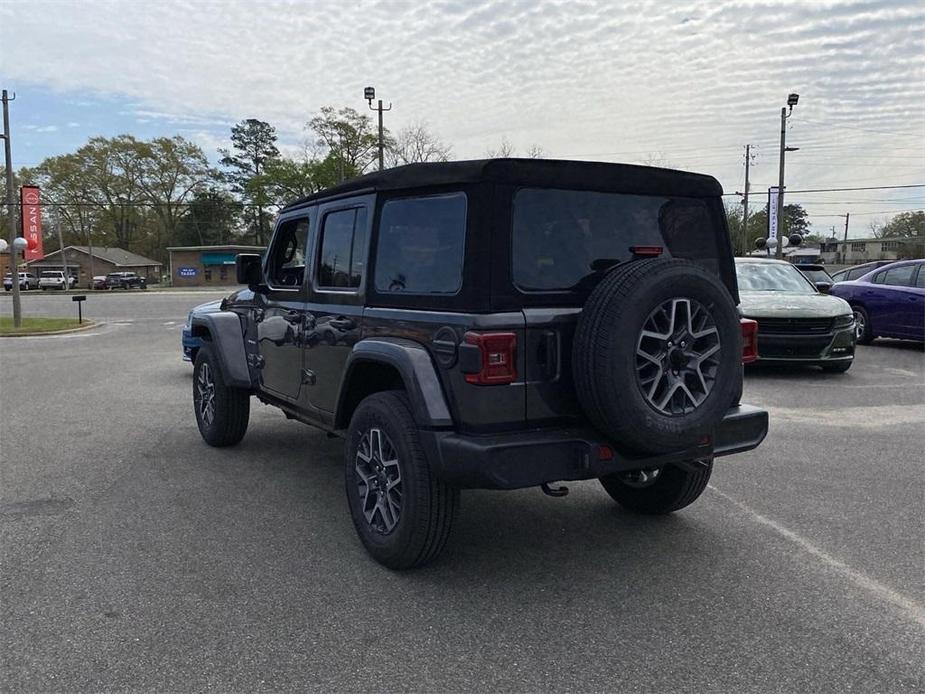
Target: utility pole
792 100
844 255
14 249
369 94
745 246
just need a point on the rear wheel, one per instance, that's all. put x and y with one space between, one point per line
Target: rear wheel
659 490
222 412
402 513
862 326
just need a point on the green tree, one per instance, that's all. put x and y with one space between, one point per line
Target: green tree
172 168
211 217
349 137
253 146
905 225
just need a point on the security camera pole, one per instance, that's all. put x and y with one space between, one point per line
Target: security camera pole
369 94
11 214
792 100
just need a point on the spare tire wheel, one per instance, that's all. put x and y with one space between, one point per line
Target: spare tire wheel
657 354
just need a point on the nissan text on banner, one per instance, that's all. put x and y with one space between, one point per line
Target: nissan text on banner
772 213
32 221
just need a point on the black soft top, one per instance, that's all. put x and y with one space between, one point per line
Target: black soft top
543 173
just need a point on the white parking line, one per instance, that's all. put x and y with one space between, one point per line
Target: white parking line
909 607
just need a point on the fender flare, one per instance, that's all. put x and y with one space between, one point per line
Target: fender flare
417 371
227 339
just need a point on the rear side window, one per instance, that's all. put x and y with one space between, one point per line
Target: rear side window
421 245
561 237
342 262
920 279
900 276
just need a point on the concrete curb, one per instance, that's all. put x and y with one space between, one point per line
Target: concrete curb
89 324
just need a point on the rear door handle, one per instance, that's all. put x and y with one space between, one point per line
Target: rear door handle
549 351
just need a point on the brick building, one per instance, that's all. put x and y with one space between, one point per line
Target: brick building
203 266
102 261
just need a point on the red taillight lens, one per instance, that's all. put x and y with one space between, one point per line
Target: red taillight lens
749 340
499 358
651 251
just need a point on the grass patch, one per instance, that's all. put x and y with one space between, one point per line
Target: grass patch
36 325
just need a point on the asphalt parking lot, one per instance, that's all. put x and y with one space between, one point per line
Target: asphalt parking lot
134 557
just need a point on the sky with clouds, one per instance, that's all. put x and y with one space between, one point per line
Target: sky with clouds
686 84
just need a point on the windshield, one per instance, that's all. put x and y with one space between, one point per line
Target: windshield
771 277
561 237
817 275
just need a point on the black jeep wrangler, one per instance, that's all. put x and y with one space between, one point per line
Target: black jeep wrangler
492 324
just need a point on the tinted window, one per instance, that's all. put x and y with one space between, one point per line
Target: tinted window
920 280
342 262
878 278
900 276
854 274
817 275
286 259
772 277
421 244
563 236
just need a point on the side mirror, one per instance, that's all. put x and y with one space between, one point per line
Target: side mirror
823 286
247 269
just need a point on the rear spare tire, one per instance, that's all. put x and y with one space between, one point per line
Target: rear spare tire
657 354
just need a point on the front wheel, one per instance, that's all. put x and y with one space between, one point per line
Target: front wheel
659 490
222 412
401 511
862 326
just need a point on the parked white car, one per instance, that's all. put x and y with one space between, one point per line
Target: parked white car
54 279
26 281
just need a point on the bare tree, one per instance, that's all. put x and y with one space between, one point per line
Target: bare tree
505 149
536 152
656 159
416 143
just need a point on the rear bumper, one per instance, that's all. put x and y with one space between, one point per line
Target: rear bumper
527 459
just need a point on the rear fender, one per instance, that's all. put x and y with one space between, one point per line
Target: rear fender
418 376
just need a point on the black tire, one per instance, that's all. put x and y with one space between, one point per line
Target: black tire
609 375
838 367
863 332
427 507
226 424
673 489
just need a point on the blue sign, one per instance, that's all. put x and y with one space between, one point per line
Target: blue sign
186 272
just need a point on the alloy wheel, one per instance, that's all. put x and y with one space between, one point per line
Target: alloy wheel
860 325
379 480
205 387
677 356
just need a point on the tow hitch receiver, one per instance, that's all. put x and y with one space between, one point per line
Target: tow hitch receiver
553 491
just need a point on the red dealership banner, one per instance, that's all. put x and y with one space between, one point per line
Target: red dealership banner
29 198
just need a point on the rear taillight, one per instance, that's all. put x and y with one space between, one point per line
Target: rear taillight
749 340
498 363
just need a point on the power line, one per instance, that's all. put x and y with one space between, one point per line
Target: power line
841 190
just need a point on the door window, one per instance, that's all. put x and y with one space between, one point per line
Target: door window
421 245
342 260
899 276
286 259
920 280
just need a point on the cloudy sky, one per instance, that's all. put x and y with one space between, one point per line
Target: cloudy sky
685 84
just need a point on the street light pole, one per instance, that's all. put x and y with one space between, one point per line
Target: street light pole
14 247
369 94
792 100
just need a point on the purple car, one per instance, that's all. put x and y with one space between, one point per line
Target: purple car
888 301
